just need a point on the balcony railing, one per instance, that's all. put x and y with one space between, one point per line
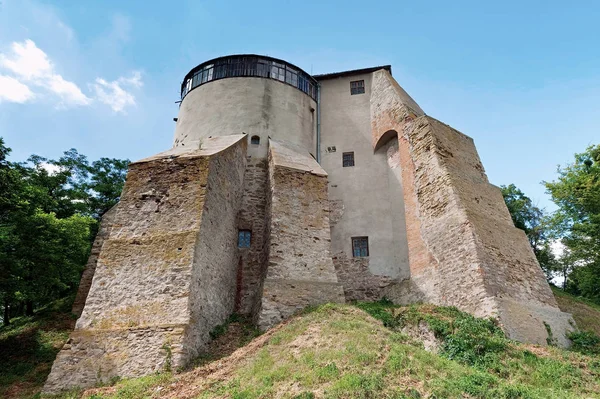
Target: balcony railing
252 66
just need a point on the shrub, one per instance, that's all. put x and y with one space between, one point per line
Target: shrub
476 342
381 310
585 342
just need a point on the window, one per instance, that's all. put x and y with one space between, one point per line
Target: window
255 140
244 237
357 87
347 159
360 247
236 66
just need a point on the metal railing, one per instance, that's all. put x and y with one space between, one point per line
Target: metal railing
251 66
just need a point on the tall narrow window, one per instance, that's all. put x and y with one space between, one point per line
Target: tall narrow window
347 159
244 238
360 247
357 87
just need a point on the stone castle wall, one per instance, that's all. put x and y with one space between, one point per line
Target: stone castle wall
300 271
90 267
216 259
464 250
161 278
253 216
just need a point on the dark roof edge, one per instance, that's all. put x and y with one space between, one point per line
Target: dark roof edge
352 72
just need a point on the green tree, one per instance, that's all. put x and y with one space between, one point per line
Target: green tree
535 223
48 216
10 201
576 192
105 184
50 254
73 185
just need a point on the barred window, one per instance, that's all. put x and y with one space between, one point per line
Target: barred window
360 247
347 159
244 237
357 87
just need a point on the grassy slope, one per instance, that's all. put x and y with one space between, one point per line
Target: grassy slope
334 351
585 313
341 351
28 347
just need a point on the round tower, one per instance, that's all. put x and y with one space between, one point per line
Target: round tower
253 94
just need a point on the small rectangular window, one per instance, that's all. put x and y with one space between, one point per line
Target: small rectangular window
357 87
360 247
347 159
244 237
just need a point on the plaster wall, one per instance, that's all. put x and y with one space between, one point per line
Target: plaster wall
365 200
252 105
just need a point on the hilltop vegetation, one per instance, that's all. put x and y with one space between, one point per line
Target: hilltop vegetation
366 350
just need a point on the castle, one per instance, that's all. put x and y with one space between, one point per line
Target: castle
284 190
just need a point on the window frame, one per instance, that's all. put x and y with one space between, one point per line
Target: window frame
348 163
356 241
244 235
249 65
357 87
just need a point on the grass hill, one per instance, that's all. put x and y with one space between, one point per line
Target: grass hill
367 350
28 347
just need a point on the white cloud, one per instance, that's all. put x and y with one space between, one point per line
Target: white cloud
135 79
50 168
67 91
14 91
32 65
27 61
114 94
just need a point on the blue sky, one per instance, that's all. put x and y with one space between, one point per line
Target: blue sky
520 77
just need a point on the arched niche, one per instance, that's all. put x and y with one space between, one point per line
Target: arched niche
385 138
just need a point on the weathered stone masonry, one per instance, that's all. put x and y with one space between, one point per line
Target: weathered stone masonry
166 267
253 216
300 269
464 249
90 267
166 271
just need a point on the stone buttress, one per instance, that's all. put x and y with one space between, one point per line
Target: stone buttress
90 266
166 272
464 250
300 270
